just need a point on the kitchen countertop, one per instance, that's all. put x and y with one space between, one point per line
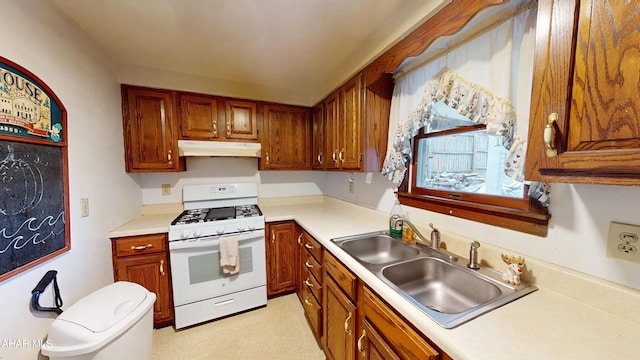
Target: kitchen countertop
584 322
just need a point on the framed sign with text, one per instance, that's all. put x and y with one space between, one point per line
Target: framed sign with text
34 185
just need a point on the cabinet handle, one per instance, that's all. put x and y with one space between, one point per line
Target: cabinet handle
340 156
309 266
306 282
142 247
215 127
360 342
273 237
320 158
306 301
346 324
550 135
300 239
335 160
169 157
308 246
162 267
228 128
267 154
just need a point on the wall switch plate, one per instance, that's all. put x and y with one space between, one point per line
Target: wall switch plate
166 189
84 207
623 242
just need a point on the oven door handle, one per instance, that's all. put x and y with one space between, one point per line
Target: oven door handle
212 241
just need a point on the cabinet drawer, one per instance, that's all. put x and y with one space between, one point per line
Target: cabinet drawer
313 312
312 246
344 278
313 266
312 283
136 245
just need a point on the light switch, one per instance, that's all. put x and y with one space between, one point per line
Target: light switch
84 207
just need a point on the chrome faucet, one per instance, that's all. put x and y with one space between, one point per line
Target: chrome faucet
473 256
416 231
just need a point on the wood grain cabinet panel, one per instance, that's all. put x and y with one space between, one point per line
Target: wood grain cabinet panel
150 137
281 256
241 120
144 260
198 117
586 77
318 155
286 144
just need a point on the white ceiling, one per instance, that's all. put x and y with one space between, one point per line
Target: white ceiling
298 49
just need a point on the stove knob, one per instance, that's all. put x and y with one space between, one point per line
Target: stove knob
252 227
220 230
197 233
184 234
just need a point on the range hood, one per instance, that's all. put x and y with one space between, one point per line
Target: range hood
218 148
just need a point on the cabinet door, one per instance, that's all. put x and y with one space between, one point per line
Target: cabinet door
339 322
281 258
198 117
372 346
332 131
398 334
350 153
150 271
287 136
318 157
241 120
592 91
149 130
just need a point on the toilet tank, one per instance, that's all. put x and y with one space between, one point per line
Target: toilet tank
114 322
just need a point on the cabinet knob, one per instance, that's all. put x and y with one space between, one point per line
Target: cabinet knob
550 135
162 267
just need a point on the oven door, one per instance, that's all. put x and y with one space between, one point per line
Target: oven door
197 274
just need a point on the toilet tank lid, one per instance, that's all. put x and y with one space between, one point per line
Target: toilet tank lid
95 320
106 307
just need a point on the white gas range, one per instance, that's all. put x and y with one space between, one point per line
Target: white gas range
202 291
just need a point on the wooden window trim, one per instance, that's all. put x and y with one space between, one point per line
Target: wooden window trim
524 215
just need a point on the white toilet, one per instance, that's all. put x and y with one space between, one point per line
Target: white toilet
114 322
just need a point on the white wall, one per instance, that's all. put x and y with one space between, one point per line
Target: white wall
37 38
577 232
228 170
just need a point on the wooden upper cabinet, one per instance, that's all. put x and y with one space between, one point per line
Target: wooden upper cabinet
350 125
318 157
198 117
356 124
150 137
286 138
586 72
241 120
331 131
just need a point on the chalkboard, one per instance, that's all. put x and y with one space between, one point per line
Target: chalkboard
32 211
34 185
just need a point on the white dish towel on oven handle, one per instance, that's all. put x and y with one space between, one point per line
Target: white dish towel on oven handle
229 255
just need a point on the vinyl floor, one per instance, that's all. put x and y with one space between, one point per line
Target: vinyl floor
278 331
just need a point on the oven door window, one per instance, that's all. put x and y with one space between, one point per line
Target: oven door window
206 267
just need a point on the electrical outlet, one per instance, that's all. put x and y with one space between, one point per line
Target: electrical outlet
84 207
623 242
166 189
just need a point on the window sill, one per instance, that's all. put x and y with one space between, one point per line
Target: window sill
533 221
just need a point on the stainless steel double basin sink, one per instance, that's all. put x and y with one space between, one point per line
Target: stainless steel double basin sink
437 283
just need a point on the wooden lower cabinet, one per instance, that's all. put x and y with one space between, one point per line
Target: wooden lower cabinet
281 255
339 322
144 260
384 334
